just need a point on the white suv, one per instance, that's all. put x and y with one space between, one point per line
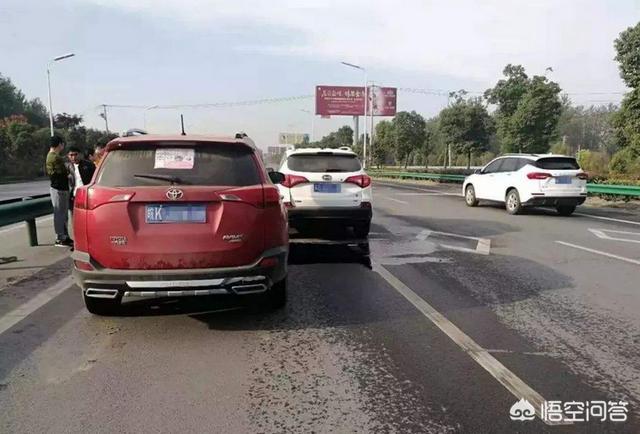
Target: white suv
522 180
326 184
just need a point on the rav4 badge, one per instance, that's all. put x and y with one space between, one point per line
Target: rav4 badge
118 240
233 238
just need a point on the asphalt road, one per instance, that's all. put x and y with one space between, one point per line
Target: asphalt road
440 323
23 189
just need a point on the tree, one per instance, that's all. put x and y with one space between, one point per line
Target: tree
627 121
342 137
409 128
431 139
587 128
65 121
528 110
12 100
384 143
36 113
467 126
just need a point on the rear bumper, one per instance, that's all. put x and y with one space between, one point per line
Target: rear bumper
329 213
133 285
555 200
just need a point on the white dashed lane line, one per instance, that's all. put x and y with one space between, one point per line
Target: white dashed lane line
600 252
393 199
21 312
497 370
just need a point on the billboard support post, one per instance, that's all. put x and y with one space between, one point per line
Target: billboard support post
356 129
364 139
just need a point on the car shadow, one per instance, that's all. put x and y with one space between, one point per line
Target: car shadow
527 210
324 244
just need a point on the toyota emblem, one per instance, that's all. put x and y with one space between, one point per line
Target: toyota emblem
326 177
174 194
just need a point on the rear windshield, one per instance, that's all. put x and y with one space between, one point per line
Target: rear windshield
558 163
200 165
322 162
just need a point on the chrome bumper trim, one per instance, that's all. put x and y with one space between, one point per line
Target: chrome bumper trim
180 293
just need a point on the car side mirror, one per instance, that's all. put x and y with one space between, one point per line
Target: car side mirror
478 171
276 177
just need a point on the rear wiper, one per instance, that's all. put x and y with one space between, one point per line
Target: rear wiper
168 178
333 170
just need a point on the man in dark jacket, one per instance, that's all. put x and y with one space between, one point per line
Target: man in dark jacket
80 171
59 176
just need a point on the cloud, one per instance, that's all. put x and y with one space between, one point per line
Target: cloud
461 38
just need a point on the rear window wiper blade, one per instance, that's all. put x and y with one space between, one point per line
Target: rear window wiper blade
333 170
168 178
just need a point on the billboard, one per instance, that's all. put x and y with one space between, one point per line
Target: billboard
383 100
349 100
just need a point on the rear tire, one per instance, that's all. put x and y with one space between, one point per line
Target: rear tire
361 229
277 295
470 196
512 202
101 306
565 210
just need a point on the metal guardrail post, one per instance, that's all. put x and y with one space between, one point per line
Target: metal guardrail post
30 225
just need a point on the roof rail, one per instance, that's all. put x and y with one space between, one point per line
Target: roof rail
134 132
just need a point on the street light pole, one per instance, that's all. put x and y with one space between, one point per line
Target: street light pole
50 106
55 59
364 137
312 123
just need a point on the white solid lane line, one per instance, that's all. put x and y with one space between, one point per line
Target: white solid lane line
490 364
629 222
395 200
600 252
26 309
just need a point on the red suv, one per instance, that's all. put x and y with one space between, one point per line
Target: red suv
172 216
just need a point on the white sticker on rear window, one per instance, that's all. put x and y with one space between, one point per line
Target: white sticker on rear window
174 158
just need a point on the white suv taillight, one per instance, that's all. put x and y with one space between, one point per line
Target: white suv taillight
583 175
538 175
362 181
293 180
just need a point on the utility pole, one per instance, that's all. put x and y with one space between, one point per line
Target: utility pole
103 115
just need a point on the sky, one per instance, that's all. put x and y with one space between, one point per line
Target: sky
144 53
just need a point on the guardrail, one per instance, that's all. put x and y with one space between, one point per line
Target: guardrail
619 190
26 210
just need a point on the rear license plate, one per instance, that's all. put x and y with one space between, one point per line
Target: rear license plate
182 213
326 188
563 180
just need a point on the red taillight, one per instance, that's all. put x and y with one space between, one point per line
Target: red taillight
583 175
271 196
85 266
293 180
269 262
539 175
360 180
288 205
80 200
